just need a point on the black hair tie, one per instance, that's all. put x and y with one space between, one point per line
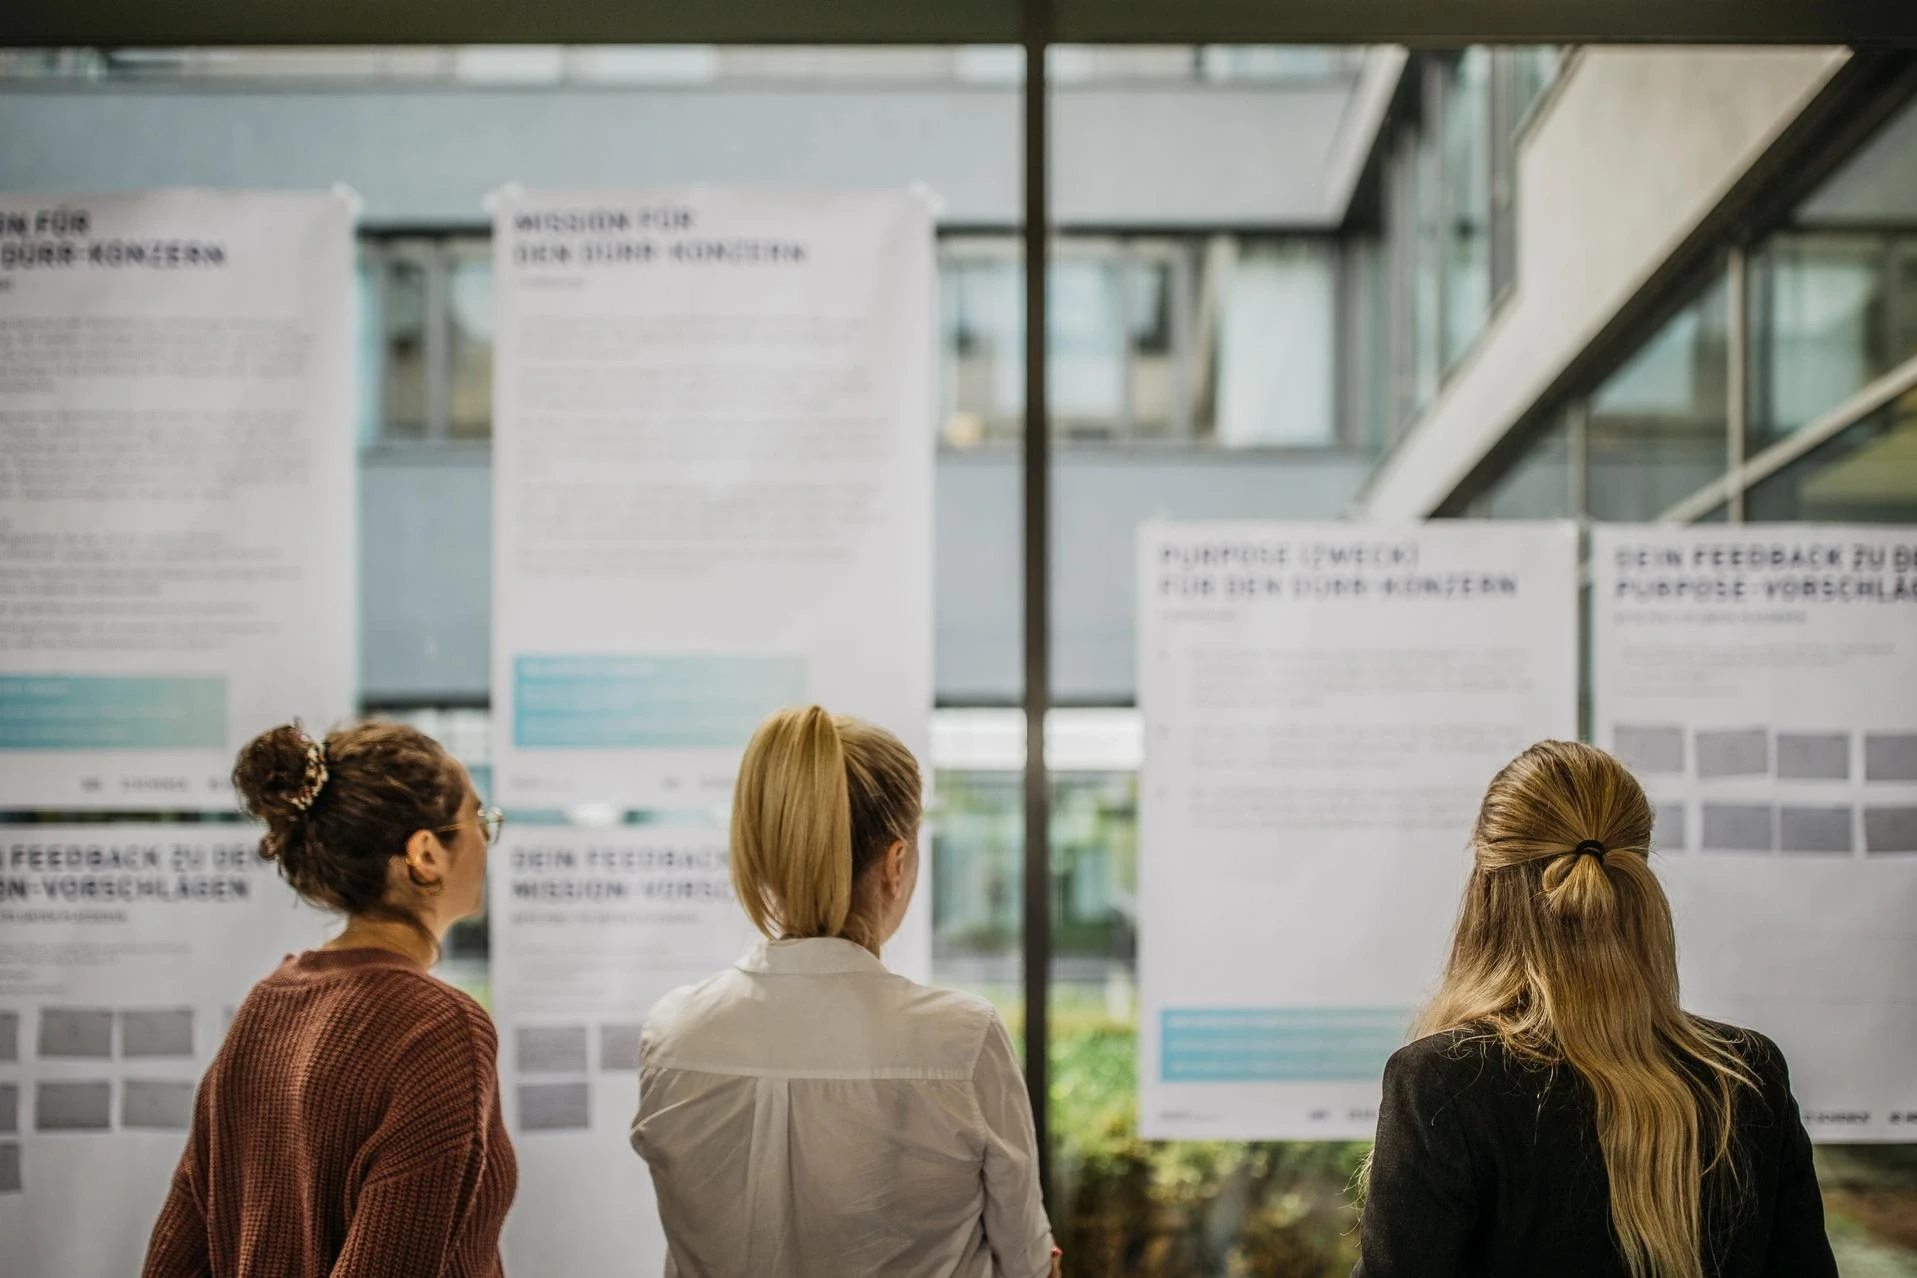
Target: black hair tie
1590 847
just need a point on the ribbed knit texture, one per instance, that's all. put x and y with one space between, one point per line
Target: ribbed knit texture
348 1128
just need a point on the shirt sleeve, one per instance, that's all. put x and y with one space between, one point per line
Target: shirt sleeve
1016 1229
1799 1247
178 1247
425 1165
1422 1204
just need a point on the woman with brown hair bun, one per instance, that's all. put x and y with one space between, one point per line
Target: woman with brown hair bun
350 1125
808 1114
1562 1115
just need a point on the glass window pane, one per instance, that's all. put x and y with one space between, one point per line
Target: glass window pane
469 340
982 339
1828 316
403 319
370 337
1866 473
1275 325
1427 250
1466 159
1657 428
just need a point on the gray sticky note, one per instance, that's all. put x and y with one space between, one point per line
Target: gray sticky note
76 1032
1667 826
9 1036
156 1104
162 1031
1820 829
1736 752
1649 748
550 1049
551 1107
1890 756
9 1107
619 1047
10 1179
1737 827
1813 756
1890 829
73 1107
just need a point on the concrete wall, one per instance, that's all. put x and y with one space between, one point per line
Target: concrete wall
426 587
1134 155
1637 146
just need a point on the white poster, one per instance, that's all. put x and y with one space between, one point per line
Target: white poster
176 489
1323 705
127 948
589 929
1762 684
712 481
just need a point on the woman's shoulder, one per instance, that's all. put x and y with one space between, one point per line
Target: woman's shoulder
1759 1053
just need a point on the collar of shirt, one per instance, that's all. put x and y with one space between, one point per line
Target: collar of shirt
810 956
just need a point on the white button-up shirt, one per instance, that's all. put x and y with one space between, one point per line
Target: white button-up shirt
808 1114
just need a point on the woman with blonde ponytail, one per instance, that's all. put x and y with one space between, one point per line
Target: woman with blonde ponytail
1561 1116
807 1113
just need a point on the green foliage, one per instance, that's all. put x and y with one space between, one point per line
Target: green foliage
1186 1209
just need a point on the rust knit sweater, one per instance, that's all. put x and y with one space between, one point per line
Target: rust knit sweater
348 1128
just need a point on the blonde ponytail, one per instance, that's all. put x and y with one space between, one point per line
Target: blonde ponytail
818 802
1565 954
792 827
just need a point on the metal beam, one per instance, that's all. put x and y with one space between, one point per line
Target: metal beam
1037 932
1427 23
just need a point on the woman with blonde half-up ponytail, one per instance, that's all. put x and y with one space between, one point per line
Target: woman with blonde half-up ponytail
807 1112
1560 1114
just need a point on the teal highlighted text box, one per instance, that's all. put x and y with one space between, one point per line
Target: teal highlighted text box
648 702
112 712
1278 1044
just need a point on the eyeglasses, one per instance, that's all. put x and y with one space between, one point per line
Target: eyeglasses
489 820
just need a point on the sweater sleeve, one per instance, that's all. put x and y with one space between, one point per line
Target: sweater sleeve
1015 1225
1421 1208
422 1170
1799 1247
178 1247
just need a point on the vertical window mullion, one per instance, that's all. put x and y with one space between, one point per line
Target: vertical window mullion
438 341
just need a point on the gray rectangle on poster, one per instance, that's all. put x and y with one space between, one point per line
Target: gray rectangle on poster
550 1049
1813 756
1820 829
73 1107
156 1104
1890 829
1667 826
9 1107
619 1047
1734 752
552 1107
1649 748
11 1181
1890 756
82 1032
159 1031
1737 827
9 1036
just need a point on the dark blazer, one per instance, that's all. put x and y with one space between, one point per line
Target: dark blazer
1487 1167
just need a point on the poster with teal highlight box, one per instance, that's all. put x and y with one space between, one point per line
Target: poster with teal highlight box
712 481
178 484
1323 705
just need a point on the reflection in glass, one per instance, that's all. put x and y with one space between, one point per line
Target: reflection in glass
1657 428
469 341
